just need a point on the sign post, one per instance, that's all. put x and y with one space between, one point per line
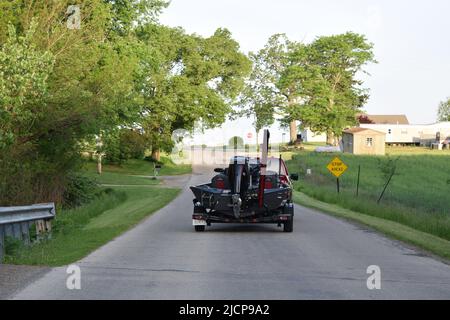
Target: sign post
337 168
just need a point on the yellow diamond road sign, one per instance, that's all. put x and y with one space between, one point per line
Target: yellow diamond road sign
337 167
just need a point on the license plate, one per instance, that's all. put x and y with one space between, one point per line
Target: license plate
198 222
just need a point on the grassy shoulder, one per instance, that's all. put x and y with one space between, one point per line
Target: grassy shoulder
398 231
417 196
115 179
78 232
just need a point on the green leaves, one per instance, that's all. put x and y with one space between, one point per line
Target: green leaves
444 110
335 95
315 83
24 73
186 79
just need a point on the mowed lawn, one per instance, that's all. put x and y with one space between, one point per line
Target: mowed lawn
135 167
418 195
133 172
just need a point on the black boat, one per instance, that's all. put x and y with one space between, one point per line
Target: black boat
249 190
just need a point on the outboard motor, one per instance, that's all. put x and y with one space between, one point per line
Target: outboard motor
239 176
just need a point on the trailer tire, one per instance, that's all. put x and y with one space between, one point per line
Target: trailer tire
199 228
288 226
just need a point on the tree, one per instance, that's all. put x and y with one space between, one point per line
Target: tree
71 85
24 73
236 142
127 13
334 94
259 99
444 110
295 83
274 62
186 79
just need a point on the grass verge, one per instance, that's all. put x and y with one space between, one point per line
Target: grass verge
111 178
79 231
426 241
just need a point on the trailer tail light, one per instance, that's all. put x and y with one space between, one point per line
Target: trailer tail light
220 184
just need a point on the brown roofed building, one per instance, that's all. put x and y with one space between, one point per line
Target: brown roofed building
385 119
364 141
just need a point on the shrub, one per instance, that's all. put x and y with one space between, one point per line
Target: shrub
124 145
79 190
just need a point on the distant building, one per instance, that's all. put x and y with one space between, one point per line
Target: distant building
364 119
364 141
418 134
309 136
383 119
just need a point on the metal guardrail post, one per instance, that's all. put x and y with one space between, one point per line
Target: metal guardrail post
16 221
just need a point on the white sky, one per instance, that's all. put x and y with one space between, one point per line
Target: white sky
411 38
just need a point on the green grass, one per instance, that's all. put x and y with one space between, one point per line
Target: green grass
418 196
112 178
423 240
78 232
412 150
141 167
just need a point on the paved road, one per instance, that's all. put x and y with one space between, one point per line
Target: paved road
325 258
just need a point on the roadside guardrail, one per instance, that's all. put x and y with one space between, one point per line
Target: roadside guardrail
16 222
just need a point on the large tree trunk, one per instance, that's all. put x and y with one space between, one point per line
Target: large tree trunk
293 131
330 138
156 154
257 140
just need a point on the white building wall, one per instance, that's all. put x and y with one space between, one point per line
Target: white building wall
309 136
412 133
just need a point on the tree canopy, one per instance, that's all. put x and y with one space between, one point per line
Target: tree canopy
122 83
317 83
63 87
444 110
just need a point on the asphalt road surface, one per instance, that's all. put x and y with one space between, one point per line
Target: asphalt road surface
324 258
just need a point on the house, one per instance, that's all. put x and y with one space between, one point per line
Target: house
365 119
422 134
363 141
308 136
384 118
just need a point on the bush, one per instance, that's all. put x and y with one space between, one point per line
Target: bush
79 190
124 145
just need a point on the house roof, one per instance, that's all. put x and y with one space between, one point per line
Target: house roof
388 119
358 130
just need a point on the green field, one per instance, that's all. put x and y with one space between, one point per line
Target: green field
418 196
